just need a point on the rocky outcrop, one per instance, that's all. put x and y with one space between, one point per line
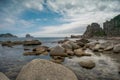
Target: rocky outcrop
32 42
3 77
93 30
7 35
112 27
40 69
28 36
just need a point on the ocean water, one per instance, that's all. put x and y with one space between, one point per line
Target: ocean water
12 60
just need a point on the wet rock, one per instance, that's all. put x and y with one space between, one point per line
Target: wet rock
41 49
39 69
7 43
32 42
79 52
88 64
116 48
3 77
58 51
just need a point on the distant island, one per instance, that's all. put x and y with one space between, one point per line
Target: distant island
8 35
110 29
28 36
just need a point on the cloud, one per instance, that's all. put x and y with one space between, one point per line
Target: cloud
76 15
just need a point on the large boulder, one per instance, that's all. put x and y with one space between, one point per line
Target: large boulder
88 64
79 52
3 77
66 45
58 51
40 69
32 42
73 44
116 48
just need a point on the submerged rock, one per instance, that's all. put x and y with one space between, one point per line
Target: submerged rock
40 69
3 77
88 64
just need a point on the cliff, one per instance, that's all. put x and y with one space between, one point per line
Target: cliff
93 30
112 27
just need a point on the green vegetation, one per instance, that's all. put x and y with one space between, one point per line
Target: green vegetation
99 33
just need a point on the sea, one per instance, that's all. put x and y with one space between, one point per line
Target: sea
12 60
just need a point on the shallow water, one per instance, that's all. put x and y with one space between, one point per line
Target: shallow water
12 60
106 67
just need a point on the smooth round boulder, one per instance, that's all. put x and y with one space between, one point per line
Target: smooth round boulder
88 64
3 77
40 69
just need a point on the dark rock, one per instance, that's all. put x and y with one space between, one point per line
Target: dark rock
28 36
39 69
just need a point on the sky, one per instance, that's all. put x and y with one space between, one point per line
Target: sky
54 18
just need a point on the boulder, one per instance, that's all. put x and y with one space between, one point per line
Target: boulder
66 45
79 52
69 52
88 64
109 48
96 47
40 69
116 48
73 44
3 77
32 42
58 51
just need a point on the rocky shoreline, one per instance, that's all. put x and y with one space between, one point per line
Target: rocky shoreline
65 49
